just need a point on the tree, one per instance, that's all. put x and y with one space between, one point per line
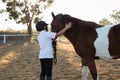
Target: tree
104 21
116 16
26 11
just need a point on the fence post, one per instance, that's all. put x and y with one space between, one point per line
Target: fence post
4 39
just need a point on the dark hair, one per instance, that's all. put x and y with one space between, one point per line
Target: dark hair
41 25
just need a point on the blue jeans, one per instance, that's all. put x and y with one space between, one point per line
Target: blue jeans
46 69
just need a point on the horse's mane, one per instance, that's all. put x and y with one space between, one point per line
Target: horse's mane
67 18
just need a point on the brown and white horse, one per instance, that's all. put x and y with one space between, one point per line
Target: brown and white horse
90 41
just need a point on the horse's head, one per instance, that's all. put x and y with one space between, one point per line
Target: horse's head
58 22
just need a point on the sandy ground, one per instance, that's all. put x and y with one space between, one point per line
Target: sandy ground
19 61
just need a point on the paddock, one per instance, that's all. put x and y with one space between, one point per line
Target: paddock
20 62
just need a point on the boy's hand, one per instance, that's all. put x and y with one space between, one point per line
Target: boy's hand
68 25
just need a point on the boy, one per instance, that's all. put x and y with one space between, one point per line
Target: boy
46 50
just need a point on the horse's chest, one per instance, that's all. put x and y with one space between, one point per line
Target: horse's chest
102 43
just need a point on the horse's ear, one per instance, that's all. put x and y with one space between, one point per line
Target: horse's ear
53 15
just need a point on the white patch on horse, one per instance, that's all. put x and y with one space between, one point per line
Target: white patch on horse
97 76
102 43
85 72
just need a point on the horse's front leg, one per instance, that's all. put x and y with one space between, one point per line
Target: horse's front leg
89 63
92 68
85 70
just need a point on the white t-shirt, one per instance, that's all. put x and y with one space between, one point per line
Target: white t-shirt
45 43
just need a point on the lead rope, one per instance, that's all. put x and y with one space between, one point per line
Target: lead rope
54 43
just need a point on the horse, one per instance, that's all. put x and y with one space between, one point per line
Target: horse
90 40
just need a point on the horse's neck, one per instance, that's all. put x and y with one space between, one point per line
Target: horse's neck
70 35
80 28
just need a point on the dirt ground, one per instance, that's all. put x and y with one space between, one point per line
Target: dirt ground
19 61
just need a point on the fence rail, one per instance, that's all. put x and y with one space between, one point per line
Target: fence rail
4 40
